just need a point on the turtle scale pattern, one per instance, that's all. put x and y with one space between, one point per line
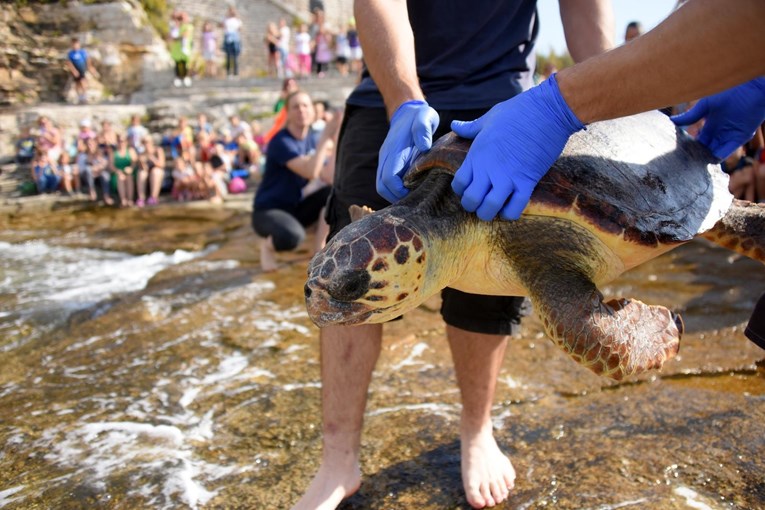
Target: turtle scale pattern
623 192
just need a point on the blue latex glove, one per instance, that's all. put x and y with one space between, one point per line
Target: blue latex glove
732 116
411 132
515 144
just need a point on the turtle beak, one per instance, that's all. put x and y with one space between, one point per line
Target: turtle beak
325 310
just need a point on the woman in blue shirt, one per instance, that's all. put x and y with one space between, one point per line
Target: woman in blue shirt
294 158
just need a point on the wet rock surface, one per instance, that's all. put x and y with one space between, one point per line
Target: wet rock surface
202 390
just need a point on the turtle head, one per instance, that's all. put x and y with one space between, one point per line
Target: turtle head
371 271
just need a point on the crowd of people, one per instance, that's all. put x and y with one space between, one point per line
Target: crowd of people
130 167
298 51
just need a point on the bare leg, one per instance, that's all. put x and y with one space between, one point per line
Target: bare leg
267 255
121 191
322 230
129 186
348 357
155 186
142 177
487 474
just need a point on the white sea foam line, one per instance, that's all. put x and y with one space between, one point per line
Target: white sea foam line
691 498
272 325
82 275
102 448
5 495
415 353
499 420
445 410
232 368
85 343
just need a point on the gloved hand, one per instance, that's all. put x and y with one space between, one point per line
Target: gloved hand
732 116
515 144
411 132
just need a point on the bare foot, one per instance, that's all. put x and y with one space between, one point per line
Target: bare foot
330 486
487 474
267 256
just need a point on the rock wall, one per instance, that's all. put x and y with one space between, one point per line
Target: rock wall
125 48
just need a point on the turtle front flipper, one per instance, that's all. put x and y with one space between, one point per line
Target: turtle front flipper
616 338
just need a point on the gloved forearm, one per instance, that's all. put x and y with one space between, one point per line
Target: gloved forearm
730 117
411 132
515 144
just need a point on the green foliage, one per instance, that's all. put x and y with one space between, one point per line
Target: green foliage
559 61
157 12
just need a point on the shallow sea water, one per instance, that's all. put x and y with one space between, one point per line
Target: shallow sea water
145 362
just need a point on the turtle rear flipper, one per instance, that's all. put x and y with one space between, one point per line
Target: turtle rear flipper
742 230
616 338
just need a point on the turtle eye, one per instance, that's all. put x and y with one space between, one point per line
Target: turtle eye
350 285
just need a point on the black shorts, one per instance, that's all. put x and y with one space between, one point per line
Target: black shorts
287 228
755 330
361 135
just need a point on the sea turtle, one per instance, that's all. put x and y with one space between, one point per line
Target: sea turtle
623 192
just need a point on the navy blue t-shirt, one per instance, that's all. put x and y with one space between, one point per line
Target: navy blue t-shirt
469 54
79 58
281 187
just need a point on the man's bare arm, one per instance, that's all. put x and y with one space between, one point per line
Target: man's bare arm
685 57
588 26
388 43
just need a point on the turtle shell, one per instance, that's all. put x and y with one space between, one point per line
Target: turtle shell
639 177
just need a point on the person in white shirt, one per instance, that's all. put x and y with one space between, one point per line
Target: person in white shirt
232 41
284 44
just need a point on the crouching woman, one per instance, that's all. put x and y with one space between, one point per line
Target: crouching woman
294 158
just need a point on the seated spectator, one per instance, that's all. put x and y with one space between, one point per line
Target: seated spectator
205 185
49 139
280 212
203 125
107 138
183 139
84 134
322 112
25 147
236 127
96 170
247 156
205 145
257 134
69 173
289 85
230 145
219 168
45 173
740 169
123 162
151 168
184 178
136 134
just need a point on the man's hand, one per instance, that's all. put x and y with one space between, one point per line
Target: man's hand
411 132
731 117
515 144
